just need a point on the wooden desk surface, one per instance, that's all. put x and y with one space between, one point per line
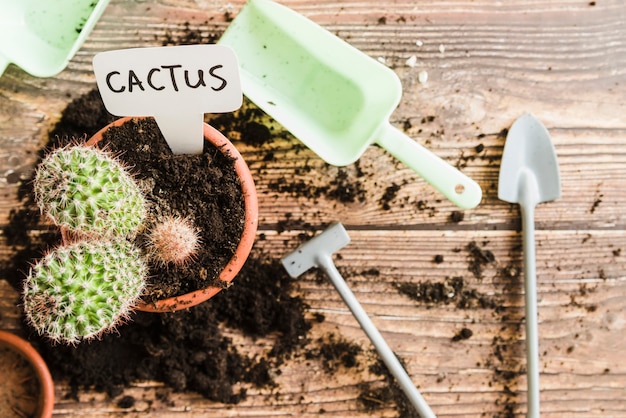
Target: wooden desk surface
487 63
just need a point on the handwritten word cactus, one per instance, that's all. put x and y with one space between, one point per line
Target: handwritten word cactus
88 191
81 290
174 240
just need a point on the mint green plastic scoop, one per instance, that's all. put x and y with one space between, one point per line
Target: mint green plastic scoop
42 36
333 97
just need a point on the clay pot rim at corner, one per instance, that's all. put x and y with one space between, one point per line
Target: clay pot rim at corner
46 384
246 241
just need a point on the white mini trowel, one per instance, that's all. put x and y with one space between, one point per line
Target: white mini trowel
529 175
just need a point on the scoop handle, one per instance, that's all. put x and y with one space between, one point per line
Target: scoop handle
456 186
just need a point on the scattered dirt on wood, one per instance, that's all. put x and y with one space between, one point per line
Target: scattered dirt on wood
506 350
506 372
343 188
390 193
479 258
457 216
126 402
504 359
253 127
187 350
375 395
335 353
463 334
583 291
597 201
190 35
450 291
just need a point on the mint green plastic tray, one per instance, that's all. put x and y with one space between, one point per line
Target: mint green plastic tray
42 36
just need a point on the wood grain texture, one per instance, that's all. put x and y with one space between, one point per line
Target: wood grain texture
487 63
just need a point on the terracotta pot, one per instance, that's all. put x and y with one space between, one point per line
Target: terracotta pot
247 237
46 385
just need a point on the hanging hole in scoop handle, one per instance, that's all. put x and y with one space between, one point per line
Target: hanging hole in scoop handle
453 184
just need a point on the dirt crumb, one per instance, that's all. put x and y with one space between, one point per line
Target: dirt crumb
390 193
336 352
451 290
479 258
457 216
126 402
463 334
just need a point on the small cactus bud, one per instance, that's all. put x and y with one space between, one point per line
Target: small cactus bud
88 191
174 240
83 289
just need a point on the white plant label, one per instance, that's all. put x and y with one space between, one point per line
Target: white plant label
176 85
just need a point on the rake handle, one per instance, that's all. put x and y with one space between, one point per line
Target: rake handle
324 261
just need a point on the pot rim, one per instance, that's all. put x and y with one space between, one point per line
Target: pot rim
246 240
46 384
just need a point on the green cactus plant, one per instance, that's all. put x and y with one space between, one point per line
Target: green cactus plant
87 191
81 290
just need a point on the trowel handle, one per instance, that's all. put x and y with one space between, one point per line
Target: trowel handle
456 186
325 262
528 197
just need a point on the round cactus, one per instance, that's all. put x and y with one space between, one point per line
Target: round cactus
88 191
83 289
174 240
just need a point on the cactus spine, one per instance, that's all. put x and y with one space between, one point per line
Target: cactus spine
81 290
88 192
